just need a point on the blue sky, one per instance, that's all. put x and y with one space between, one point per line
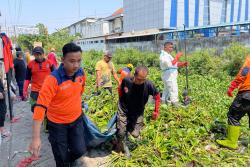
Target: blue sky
53 13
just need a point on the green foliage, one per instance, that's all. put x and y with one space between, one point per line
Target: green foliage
134 56
43 30
180 136
55 40
233 57
58 39
204 62
90 58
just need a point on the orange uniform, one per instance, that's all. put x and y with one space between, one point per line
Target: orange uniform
37 72
242 80
124 72
60 96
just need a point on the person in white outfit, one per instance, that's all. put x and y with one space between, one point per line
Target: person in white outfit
169 72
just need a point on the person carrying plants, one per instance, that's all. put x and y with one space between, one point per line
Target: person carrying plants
37 71
104 69
169 71
60 98
133 96
239 107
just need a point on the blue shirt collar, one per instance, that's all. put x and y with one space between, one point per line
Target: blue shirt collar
62 72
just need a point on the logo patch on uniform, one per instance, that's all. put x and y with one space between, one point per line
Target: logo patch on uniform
126 89
65 87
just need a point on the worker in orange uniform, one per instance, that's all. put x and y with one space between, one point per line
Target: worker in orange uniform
60 98
37 71
125 72
239 107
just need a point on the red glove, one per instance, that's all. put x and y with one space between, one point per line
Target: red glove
182 64
177 57
231 88
25 88
156 113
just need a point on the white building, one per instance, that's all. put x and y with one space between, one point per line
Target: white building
20 30
172 14
94 31
89 27
115 22
95 43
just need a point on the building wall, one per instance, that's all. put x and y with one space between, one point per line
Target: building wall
140 15
217 43
90 28
117 24
171 14
216 6
95 29
91 44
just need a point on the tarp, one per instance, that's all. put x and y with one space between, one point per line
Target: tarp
93 136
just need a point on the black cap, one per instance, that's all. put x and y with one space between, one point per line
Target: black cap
38 49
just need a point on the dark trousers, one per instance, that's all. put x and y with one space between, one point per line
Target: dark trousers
67 141
33 99
128 123
20 86
239 108
2 112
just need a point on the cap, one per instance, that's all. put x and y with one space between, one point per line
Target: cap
38 49
107 53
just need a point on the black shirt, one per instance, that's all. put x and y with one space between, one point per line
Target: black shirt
20 69
134 97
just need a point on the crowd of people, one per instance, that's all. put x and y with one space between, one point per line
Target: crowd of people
55 88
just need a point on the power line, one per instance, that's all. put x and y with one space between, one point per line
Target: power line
19 11
79 11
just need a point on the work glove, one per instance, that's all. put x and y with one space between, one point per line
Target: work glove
231 88
182 64
25 88
177 57
156 113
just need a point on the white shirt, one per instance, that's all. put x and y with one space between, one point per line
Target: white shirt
169 71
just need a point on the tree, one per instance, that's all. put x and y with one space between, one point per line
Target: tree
43 30
55 40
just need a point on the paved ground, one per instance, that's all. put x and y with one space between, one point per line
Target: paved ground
21 136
